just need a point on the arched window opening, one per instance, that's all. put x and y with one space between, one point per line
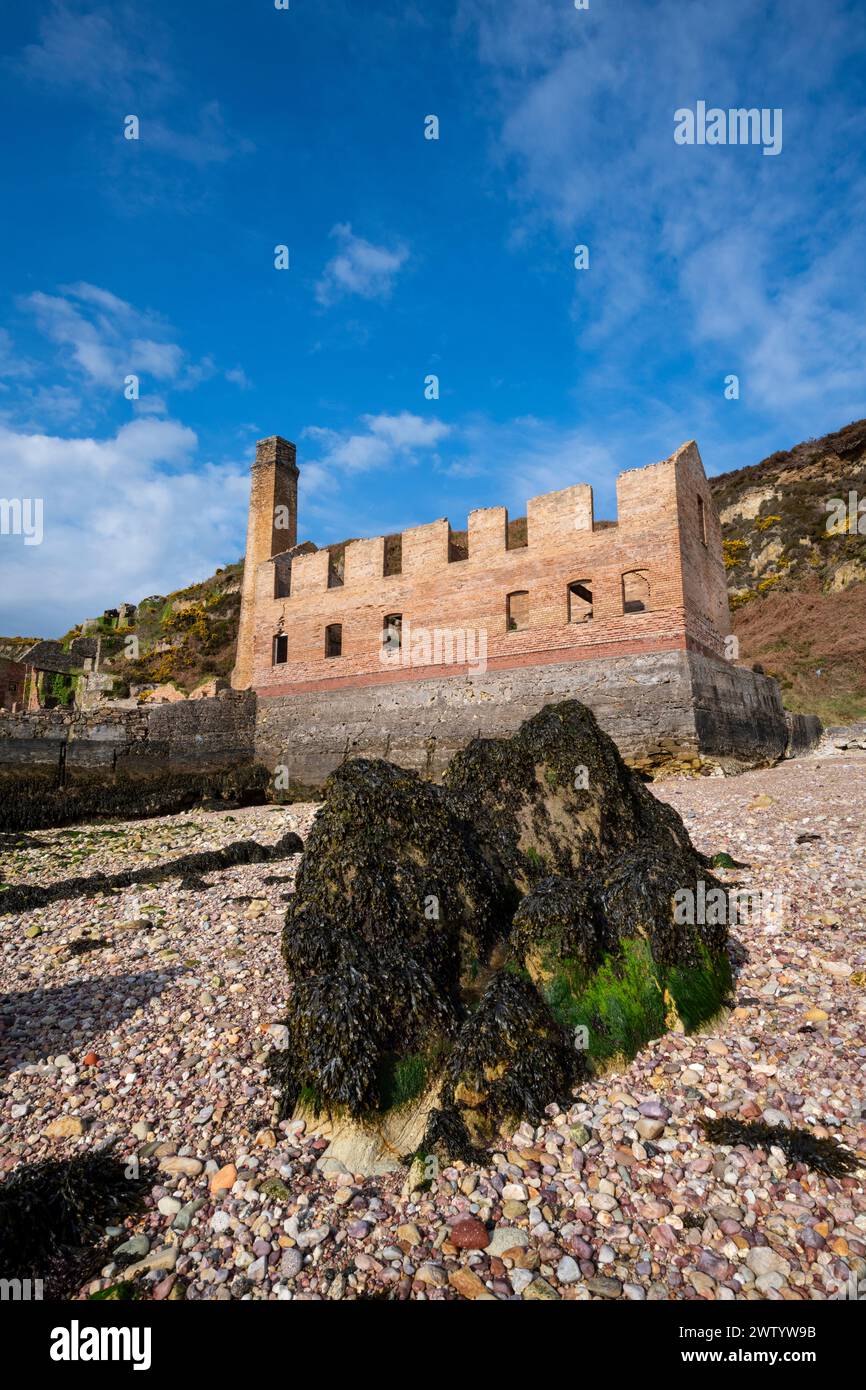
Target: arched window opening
392 634
281 649
334 639
635 592
517 610
579 601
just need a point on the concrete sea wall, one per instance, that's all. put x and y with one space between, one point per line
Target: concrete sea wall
664 710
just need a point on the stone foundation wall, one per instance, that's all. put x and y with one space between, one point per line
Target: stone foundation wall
666 711
805 731
187 736
663 710
739 716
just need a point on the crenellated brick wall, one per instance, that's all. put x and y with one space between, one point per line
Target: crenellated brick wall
454 598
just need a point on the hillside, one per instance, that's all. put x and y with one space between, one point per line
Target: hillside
796 581
183 638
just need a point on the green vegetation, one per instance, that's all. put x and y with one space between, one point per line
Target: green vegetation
723 861
403 1079
61 688
627 1000
184 638
125 1291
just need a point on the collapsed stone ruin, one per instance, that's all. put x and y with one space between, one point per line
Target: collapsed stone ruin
476 948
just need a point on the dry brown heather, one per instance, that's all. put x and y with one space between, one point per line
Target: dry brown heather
656 578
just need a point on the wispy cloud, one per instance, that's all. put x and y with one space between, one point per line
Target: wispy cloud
99 51
110 54
692 249
382 442
12 365
211 142
359 268
105 339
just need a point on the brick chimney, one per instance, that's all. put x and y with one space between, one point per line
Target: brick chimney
271 529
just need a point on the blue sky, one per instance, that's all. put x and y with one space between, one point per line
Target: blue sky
305 127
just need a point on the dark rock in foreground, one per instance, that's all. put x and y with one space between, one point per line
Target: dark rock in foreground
53 1216
493 938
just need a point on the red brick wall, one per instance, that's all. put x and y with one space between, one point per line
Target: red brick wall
11 683
657 532
271 527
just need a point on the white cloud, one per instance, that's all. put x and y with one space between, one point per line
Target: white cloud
692 249
12 365
105 339
124 517
798 343
407 431
92 52
359 267
385 441
541 458
212 142
161 360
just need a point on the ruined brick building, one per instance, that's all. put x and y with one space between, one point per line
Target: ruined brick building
405 646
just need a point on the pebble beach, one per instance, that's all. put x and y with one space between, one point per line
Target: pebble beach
144 1015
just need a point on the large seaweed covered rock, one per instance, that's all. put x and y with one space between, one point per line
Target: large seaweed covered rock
394 913
487 941
556 798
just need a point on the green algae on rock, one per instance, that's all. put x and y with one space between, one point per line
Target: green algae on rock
492 938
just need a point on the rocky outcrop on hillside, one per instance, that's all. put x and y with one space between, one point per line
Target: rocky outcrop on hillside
168 646
794 532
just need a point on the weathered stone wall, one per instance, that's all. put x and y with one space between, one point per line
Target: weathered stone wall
662 709
739 716
805 731
57 765
665 710
187 736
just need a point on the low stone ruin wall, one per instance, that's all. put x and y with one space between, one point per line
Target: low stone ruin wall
58 766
